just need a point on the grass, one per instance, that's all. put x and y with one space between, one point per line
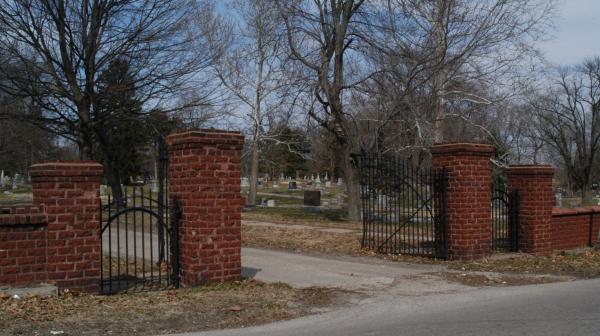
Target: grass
584 264
300 214
218 306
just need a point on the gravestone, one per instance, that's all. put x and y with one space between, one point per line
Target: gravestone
340 182
15 181
558 199
292 185
2 179
312 197
328 184
271 203
326 177
382 200
103 190
244 183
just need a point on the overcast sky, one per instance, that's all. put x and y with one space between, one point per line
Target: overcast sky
577 33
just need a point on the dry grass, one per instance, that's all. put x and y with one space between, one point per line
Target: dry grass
582 265
312 240
219 306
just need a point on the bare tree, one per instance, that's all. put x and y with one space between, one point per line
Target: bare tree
446 57
320 36
252 70
62 48
569 116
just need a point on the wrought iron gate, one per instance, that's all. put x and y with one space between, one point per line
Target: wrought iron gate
505 218
140 236
404 209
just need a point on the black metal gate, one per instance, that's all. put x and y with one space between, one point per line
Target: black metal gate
140 236
404 209
505 218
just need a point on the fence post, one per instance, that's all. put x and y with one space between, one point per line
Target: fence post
69 192
534 183
468 198
204 173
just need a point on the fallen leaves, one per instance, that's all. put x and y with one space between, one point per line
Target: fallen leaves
584 264
215 306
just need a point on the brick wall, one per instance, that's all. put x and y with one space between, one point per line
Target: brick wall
534 183
469 194
69 194
571 228
204 173
23 253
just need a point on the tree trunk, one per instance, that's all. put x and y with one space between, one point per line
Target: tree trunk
352 182
253 173
439 119
114 180
440 75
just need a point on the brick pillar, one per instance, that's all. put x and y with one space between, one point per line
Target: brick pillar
204 172
535 190
69 193
468 199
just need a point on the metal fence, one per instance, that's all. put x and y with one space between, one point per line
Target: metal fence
140 235
505 218
404 208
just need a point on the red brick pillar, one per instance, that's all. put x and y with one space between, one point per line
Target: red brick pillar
204 172
69 193
535 190
468 199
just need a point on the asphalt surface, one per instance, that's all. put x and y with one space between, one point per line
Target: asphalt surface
568 308
343 272
407 299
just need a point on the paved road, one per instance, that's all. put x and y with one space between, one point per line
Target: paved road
350 273
568 308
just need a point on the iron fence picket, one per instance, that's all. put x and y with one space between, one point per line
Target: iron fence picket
401 210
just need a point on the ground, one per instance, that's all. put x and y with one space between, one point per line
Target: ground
327 269
341 237
229 305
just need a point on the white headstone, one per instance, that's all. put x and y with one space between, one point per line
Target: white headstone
326 177
281 177
340 182
2 179
318 178
328 184
103 190
382 200
275 185
312 177
244 182
15 181
271 203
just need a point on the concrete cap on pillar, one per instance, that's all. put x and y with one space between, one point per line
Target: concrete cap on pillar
530 170
463 148
66 169
195 138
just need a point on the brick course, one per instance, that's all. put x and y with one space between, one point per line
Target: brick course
204 173
69 193
469 194
571 228
23 232
534 183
